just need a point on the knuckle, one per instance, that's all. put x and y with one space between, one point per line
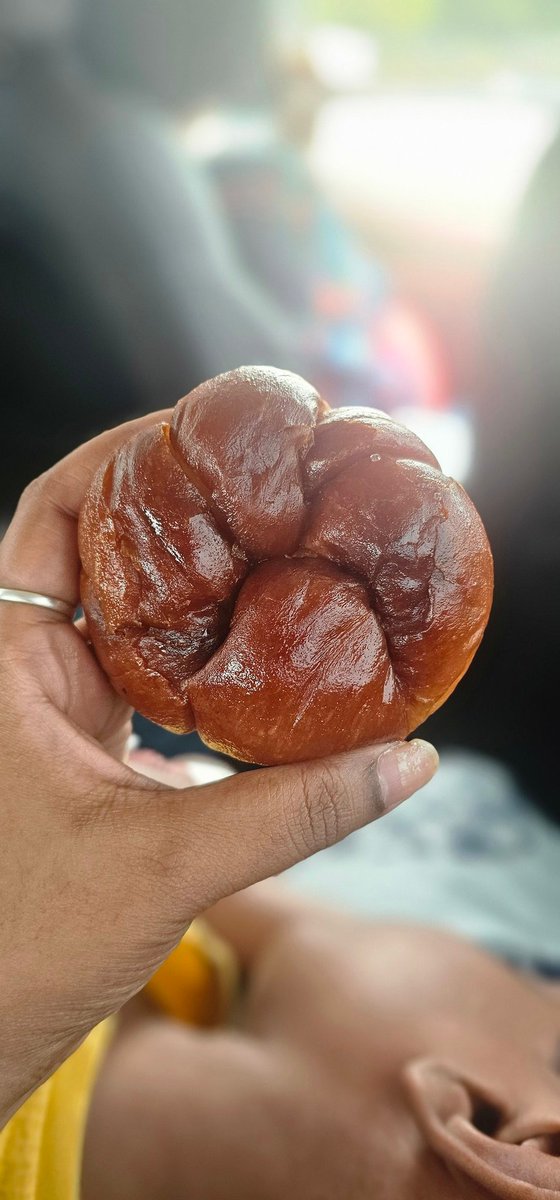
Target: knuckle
320 810
34 490
46 491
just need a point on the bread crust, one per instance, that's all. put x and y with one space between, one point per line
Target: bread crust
288 580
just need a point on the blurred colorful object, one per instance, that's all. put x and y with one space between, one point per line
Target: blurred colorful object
412 356
342 58
361 346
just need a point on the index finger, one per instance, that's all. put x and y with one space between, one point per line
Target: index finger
39 552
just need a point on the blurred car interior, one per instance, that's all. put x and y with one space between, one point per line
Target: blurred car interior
174 202
121 287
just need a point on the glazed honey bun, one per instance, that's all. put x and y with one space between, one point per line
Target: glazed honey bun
290 581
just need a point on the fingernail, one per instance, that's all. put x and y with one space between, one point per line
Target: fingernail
404 768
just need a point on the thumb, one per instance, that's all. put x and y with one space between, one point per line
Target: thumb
211 841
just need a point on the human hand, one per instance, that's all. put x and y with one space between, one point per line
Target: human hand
102 870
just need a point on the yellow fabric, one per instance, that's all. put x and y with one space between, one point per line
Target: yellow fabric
41 1147
197 983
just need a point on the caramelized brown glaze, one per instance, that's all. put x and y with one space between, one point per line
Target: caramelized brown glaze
289 581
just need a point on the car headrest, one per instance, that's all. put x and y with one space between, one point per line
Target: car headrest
36 20
179 53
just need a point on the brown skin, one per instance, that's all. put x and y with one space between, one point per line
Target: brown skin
101 870
373 1061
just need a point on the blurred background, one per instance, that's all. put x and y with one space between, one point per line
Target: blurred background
365 191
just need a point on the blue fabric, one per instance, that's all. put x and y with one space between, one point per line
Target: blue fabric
468 853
